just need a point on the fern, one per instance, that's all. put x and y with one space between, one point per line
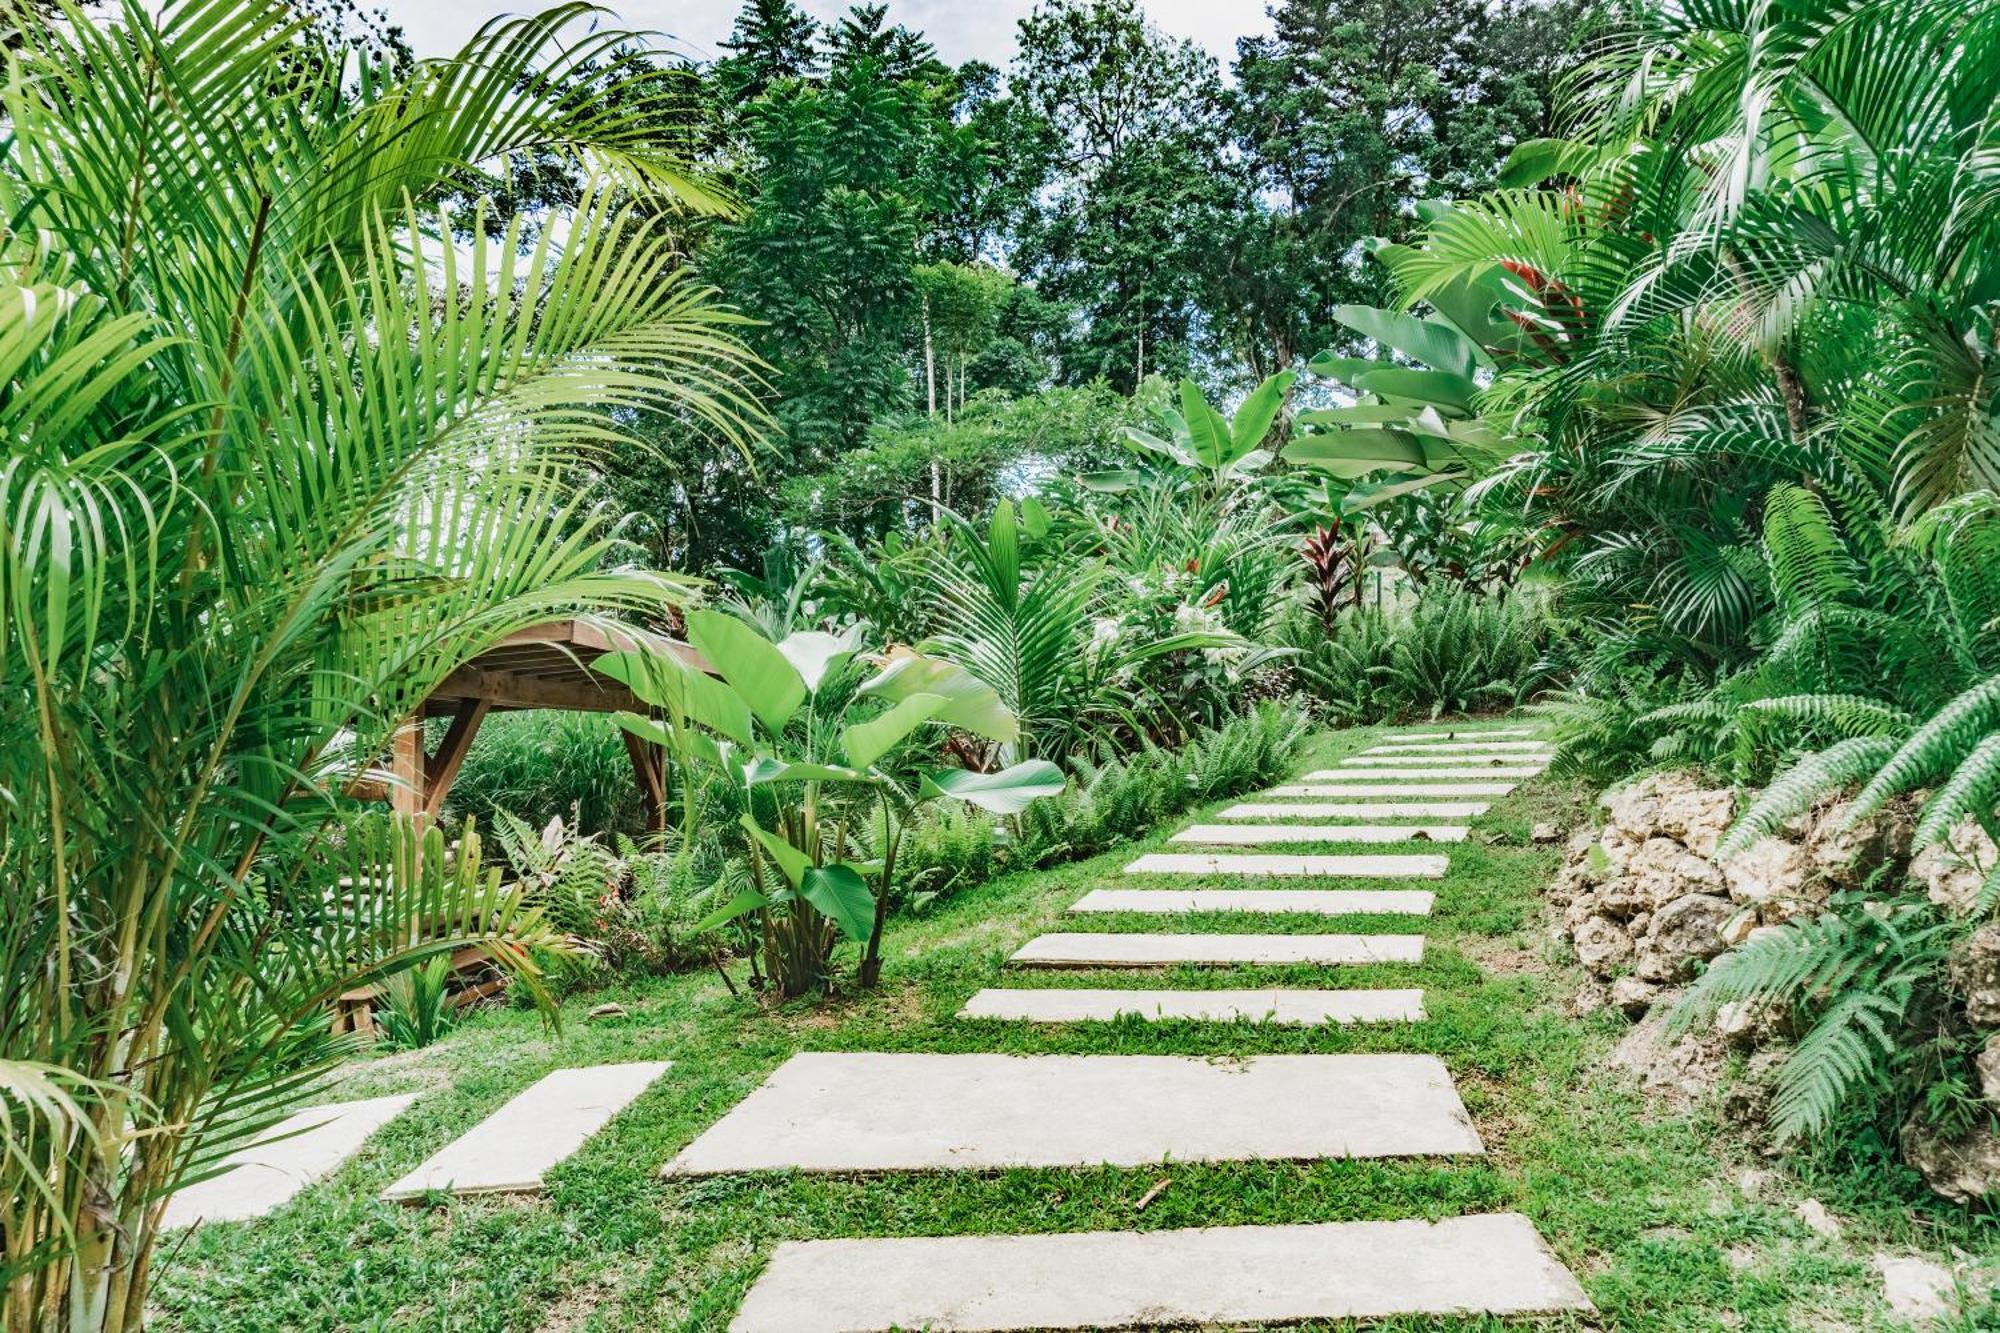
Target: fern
1795 790
1856 975
1970 790
1935 747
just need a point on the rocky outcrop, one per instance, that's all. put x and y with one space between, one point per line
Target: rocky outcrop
1961 1167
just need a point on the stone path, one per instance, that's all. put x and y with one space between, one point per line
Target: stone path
1398 790
1257 835
954 1112
1073 949
894 1112
1302 1008
1494 1264
1358 810
508 1152
289 1156
1253 863
1318 902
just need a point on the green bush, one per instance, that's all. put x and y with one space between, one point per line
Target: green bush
416 1006
546 764
1449 652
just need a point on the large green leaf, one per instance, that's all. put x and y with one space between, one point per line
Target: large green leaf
970 705
751 664
761 771
842 895
865 742
664 681
1007 792
1346 369
1253 419
1355 414
1371 493
1436 345
744 903
790 860
1440 389
1208 433
1355 453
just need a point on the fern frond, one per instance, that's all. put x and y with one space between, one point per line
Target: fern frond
1935 747
1793 791
1970 790
1847 1048
1846 715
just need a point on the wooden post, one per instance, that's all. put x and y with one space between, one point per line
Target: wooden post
442 768
406 768
649 765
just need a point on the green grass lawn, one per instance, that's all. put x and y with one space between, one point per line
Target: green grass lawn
1643 1204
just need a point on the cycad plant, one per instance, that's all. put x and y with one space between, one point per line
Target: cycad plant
282 452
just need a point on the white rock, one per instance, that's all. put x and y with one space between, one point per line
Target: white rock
1916 1290
1814 1214
1770 868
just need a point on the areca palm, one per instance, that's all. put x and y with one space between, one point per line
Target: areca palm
283 452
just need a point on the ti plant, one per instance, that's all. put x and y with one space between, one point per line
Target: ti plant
785 723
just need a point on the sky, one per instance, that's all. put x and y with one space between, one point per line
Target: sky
961 29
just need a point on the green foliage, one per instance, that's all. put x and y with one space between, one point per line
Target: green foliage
1448 652
546 763
1857 982
416 1006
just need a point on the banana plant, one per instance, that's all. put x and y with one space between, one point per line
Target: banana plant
1410 428
1215 450
784 720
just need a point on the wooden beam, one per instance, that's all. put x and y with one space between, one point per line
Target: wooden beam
442 768
406 767
508 689
649 765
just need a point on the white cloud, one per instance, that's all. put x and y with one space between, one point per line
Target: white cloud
961 31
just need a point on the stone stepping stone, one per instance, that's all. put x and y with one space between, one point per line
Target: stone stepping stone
1358 810
1290 1008
1417 773
1460 747
828 1112
1252 863
1314 902
1398 789
1258 835
1469 734
508 1152
1434 761
1487 1264
1093 949
293 1153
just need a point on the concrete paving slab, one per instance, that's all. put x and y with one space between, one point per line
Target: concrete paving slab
1435 761
1467 734
1285 1007
1421 773
1459 747
1357 810
829 1112
508 1152
1074 949
1272 863
293 1154
1314 902
1396 789
1258 835
1487 1264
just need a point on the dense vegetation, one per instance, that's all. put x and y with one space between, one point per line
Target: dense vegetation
1030 455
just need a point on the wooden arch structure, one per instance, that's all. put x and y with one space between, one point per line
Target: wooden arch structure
544 666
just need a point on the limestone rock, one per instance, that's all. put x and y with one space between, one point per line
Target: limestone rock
1681 1070
1747 1100
1988 1065
1846 856
1544 834
1686 931
1960 1169
1740 927
1639 808
1952 871
1698 818
1814 1214
1601 946
1974 972
1916 1290
1771 868
1633 996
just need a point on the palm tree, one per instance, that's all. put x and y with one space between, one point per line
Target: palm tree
288 439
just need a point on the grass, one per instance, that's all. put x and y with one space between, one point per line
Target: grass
1643 1204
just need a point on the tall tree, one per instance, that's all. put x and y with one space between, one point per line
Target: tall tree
1130 126
1349 112
772 40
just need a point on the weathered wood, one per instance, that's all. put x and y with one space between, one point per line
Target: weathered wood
441 769
649 765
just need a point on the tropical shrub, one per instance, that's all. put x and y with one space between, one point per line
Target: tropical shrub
810 742
416 1006
545 764
260 532
1449 651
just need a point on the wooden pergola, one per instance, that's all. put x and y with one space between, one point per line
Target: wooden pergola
545 666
